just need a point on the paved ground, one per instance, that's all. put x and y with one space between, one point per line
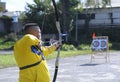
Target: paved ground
6 52
77 69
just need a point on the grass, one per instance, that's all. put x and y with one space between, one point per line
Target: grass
68 53
8 60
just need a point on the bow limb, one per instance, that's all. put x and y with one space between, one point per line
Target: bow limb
60 39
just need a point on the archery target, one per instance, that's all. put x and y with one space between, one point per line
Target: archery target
99 44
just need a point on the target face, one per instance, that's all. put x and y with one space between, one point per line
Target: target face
99 44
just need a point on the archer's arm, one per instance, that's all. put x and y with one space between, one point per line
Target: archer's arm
49 49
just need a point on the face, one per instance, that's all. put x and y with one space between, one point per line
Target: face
37 32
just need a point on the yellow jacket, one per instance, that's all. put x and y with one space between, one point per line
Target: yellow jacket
23 53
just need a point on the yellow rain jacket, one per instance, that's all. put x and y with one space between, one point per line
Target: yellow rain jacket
24 56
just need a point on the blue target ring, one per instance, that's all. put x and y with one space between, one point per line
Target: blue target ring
96 43
103 43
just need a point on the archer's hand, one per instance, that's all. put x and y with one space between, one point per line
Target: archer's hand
58 44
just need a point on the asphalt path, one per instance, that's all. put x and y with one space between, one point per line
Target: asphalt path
6 52
77 69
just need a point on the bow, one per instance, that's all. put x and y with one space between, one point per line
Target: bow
60 39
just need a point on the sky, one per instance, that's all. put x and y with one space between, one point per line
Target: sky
19 5
16 5
115 2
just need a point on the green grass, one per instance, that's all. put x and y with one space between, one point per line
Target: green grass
8 60
68 53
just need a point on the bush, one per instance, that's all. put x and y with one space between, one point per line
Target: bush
115 46
110 45
85 36
66 47
84 47
6 43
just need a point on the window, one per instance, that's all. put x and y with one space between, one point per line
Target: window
85 16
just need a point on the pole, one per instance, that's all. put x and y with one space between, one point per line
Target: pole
76 33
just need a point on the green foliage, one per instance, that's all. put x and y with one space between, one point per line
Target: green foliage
97 3
41 12
115 46
84 47
86 38
4 17
112 33
69 9
67 47
110 45
6 43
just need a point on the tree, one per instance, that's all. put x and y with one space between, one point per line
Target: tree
97 3
41 12
68 13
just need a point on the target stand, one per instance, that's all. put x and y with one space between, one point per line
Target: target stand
100 48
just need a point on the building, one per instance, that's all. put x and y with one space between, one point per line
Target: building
2 6
99 17
16 25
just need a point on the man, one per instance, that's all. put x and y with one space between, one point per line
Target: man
29 55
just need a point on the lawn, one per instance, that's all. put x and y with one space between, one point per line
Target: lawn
8 60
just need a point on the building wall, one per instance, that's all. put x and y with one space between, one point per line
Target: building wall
2 6
2 27
16 27
103 17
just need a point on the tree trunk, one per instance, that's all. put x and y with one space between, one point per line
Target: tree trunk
64 16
